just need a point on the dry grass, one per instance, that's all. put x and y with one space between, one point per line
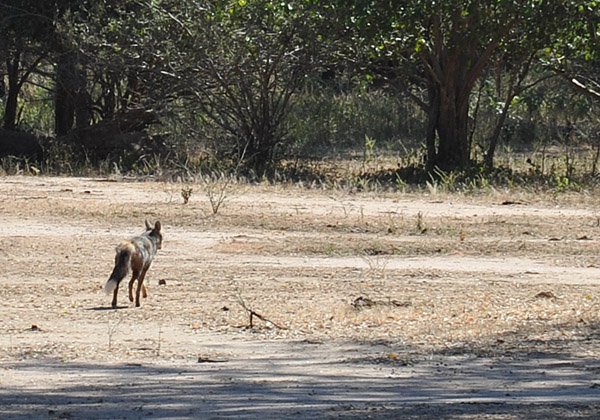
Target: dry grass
470 278
303 257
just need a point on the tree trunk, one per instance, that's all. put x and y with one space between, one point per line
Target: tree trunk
259 153
83 101
515 88
489 156
453 149
453 63
17 75
10 109
65 94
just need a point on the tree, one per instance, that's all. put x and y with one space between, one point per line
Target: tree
238 65
446 47
104 92
27 26
456 46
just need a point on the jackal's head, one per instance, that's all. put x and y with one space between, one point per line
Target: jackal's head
155 232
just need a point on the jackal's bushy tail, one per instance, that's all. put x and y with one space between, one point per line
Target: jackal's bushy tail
122 264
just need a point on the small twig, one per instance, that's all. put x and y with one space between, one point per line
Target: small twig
253 313
112 329
159 340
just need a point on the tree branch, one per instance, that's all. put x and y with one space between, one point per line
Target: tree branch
252 313
582 87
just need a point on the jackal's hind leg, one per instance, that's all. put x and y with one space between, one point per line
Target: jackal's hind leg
140 286
136 274
144 291
114 301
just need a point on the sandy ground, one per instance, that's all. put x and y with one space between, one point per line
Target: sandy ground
376 305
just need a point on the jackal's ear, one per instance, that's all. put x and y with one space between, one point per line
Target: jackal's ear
148 227
157 226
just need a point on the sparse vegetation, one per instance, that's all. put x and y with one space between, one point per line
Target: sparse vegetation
186 193
415 179
218 187
112 329
501 277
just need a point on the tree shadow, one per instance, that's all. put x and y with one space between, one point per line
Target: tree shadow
323 379
298 384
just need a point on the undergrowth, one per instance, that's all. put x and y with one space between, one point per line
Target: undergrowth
349 174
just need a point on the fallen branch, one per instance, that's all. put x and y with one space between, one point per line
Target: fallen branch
252 313
364 302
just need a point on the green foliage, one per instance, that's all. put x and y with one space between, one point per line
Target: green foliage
253 83
441 50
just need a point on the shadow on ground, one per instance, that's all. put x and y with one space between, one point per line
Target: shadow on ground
304 381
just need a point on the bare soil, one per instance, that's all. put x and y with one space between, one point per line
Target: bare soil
374 305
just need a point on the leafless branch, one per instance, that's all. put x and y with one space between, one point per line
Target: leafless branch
252 313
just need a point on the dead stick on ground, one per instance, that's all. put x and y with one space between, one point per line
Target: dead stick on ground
252 312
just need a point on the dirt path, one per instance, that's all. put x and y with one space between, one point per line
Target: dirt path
379 305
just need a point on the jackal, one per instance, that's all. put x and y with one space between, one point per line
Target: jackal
136 255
